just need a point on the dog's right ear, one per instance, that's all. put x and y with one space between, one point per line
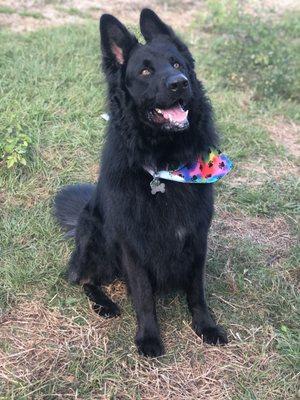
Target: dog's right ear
151 25
116 42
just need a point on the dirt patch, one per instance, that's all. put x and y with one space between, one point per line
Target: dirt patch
57 13
271 233
280 6
286 134
257 172
49 16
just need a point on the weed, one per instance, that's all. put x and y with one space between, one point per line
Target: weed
14 148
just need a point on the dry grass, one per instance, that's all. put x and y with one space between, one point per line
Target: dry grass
256 172
38 345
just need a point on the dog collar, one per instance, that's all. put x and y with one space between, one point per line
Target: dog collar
208 168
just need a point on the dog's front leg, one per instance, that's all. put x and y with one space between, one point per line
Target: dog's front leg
147 338
202 321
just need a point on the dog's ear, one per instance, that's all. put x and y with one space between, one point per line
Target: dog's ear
116 41
151 25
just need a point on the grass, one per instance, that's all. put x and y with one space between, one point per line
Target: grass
33 14
6 10
75 11
24 13
51 343
250 52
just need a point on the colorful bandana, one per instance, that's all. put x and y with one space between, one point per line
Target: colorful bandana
207 168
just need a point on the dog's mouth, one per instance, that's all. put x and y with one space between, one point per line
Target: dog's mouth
173 118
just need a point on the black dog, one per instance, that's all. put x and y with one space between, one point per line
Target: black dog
159 115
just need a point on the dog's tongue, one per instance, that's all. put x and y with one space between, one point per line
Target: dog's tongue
176 114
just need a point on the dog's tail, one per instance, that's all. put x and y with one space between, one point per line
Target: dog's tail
68 204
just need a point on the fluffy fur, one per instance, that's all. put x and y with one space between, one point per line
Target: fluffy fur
122 231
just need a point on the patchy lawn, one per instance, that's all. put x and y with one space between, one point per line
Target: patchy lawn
52 345
28 15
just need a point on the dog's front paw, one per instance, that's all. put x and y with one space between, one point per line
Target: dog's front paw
107 311
213 335
150 346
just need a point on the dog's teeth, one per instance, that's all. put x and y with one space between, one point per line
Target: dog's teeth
158 110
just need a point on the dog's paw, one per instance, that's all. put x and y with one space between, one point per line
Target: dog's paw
150 347
107 311
213 335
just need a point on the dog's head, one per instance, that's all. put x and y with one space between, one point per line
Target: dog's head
158 76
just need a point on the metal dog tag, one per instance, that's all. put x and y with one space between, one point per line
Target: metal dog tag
157 186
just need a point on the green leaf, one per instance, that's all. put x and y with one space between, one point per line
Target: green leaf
10 162
23 161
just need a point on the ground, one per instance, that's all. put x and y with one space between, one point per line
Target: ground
52 345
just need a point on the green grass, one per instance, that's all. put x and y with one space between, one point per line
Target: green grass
33 14
7 10
252 52
51 90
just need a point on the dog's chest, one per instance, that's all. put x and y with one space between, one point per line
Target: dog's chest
178 211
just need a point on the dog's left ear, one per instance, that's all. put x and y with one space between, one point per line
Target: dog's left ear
151 25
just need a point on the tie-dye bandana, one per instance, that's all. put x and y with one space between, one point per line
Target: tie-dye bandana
207 168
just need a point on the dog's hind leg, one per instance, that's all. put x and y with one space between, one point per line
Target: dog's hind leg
103 305
89 264
85 268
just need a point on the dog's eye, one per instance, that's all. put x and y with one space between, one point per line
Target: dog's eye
145 72
176 65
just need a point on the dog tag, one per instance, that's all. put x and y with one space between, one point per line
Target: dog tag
157 186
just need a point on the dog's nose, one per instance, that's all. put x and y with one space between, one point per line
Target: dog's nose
177 83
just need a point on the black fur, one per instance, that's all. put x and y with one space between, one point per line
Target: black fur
69 203
154 242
